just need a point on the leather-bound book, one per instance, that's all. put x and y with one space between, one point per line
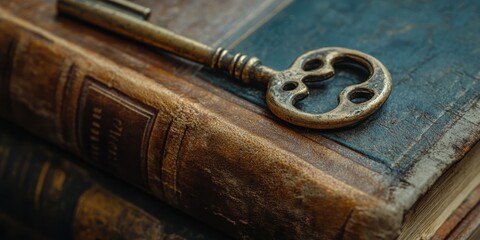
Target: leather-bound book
48 193
209 146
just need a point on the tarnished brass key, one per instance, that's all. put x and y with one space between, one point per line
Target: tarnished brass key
284 89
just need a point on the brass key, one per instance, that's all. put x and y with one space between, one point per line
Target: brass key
285 88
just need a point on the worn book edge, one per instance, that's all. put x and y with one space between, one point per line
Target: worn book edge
446 195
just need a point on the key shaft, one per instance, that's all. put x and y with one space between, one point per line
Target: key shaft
99 13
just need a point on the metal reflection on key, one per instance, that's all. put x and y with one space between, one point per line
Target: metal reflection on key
284 89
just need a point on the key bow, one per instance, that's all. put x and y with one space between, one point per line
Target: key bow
287 87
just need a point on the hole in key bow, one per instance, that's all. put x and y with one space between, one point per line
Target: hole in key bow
312 64
289 86
323 93
360 95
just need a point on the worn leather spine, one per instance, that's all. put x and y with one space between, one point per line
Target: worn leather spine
52 194
176 148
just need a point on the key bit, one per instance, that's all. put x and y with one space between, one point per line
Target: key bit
284 89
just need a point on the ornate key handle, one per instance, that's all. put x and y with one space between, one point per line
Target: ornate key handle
285 88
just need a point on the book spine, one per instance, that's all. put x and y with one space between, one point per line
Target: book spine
171 146
48 191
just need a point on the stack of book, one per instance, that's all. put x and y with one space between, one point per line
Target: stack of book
101 133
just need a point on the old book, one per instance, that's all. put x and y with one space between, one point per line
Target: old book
51 193
464 222
207 145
